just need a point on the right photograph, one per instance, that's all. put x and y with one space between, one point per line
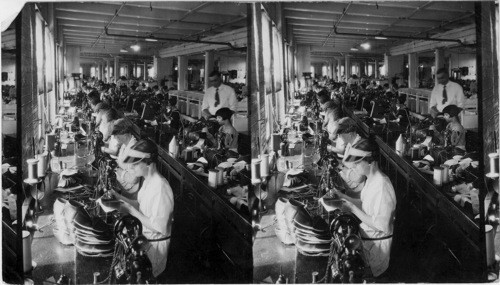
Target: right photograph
374 134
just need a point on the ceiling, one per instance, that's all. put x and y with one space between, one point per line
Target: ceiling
82 24
312 23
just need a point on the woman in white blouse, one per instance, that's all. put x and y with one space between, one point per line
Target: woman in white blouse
154 206
376 207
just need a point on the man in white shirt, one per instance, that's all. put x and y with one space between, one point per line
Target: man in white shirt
217 96
445 93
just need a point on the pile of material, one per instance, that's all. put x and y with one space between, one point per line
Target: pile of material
74 226
297 226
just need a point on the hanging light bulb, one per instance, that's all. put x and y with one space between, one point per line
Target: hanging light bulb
365 45
135 47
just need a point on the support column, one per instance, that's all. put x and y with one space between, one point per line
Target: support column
347 67
394 65
333 74
116 71
100 71
182 66
375 69
108 71
386 65
163 69
487 83
361 68
366 67
209 66
339 70
145 73
412 70
438 62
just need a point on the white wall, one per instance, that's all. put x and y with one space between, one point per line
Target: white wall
9 66
234 63
464 60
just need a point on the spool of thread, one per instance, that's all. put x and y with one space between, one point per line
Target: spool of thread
212 178
438 176
446 173
493 165
220 175
42 164
255 171
264 165
50 140
27 263
32 169
490 244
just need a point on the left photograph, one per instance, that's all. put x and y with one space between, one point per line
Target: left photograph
126 147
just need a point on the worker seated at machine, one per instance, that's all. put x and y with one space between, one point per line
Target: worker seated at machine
228 136
123 133
154 205
170 121
106 127
402 112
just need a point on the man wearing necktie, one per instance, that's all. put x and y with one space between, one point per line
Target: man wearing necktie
217 96
445 93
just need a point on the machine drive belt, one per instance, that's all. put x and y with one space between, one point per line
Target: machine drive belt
380 238
159 239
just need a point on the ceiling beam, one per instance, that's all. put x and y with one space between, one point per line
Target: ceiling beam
445 6
94 31
145 22
359 9
139 13
359 27
118 28
215 8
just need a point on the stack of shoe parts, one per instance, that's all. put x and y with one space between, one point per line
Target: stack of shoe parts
90 235
311 233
